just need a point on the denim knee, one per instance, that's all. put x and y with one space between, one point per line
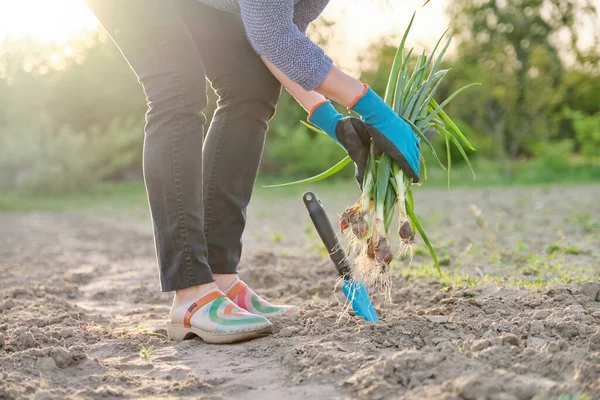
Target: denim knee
255 97
175 95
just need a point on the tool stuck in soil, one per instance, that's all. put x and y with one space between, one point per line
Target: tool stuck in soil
355 291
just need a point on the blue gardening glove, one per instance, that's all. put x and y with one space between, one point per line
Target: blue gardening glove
350 133
390 133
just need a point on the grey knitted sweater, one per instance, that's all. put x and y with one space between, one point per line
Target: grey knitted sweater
275 28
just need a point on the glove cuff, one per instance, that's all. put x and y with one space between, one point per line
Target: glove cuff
360 96
312 110
325 117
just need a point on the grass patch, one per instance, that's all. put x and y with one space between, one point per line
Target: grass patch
125 195
107 196
540 272
586 222
554 248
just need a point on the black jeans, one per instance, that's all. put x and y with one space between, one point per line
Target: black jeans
198 187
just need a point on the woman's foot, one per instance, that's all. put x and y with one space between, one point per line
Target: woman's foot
206 312
245 298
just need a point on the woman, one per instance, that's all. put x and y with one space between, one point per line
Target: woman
198 189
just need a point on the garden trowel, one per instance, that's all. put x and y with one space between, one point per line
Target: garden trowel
355 291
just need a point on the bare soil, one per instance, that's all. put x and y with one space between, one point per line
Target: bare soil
517 315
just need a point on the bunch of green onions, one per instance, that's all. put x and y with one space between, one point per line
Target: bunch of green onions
410 92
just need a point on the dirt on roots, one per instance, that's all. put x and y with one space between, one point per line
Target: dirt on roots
81 317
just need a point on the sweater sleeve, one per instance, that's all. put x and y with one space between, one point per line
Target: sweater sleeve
273 34
306 11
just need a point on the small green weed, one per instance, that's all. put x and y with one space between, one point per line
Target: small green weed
556 247
146 352
586 222
574 250
572 397
277 237
444 260
320 249
553 248
419 251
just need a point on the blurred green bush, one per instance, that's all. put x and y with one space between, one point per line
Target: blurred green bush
72 116
587 133
41 160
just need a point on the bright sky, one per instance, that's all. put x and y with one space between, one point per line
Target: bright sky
364 21
55 20
359 22
47 20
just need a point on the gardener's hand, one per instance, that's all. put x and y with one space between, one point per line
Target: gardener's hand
351 133
389 132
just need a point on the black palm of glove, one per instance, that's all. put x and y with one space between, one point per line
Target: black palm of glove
353 135
349 132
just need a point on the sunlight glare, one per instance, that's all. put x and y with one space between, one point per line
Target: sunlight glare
56 20
48 21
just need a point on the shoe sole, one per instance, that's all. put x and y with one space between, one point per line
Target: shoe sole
180 332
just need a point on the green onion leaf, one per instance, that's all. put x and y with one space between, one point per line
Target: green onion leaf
415 222
449 159
393 78
422 135
326 174
314 128
448 121
439 108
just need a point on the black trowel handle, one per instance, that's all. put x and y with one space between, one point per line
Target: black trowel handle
325 230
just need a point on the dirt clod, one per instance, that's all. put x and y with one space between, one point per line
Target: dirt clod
594 343
7 305
553 347
511 340
541 314
45 395
26 341
479 345
536 327
438 319
46 364
535 342
66 333
591 290
574 309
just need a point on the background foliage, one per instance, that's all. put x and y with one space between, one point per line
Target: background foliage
72 116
